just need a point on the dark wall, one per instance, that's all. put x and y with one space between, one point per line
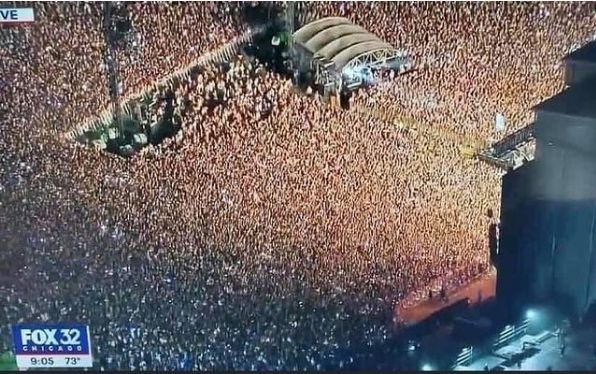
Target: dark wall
548 210
519 238
567 131
577 71
566 157
573 254
548 225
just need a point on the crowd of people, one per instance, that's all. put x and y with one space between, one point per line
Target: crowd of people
473 60
274 231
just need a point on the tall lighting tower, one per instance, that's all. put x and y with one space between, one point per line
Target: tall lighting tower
291 7
290 26
111 60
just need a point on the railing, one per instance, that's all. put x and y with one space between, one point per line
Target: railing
464 357
511 141
495 161
509 333
500 153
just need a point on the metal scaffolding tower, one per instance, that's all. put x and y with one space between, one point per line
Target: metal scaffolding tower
111 61
290 9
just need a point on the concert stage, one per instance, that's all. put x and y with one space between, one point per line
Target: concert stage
411 315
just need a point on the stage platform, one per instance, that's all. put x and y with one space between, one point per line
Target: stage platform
411 315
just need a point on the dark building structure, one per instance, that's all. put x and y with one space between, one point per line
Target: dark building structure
581 64
548 217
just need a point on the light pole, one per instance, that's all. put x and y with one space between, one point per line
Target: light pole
111 62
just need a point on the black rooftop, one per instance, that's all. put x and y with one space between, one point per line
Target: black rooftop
586 53
578 100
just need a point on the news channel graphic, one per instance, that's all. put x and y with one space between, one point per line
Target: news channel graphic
52 346
16 16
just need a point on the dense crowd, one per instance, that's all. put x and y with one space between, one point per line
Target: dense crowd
474 60
273 231
173 36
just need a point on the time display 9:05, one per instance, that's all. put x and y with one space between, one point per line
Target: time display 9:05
42 361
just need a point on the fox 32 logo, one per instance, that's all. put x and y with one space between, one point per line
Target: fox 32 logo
50 339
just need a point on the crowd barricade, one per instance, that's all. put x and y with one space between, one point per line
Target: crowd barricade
224 54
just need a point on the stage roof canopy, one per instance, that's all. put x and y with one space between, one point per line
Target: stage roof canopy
343 43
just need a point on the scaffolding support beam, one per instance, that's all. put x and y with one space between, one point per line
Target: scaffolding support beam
111 63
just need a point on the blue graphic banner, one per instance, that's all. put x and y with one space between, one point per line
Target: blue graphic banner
51 339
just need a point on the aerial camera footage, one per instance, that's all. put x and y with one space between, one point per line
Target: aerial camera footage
225 185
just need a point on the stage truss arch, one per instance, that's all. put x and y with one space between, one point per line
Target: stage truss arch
340 52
